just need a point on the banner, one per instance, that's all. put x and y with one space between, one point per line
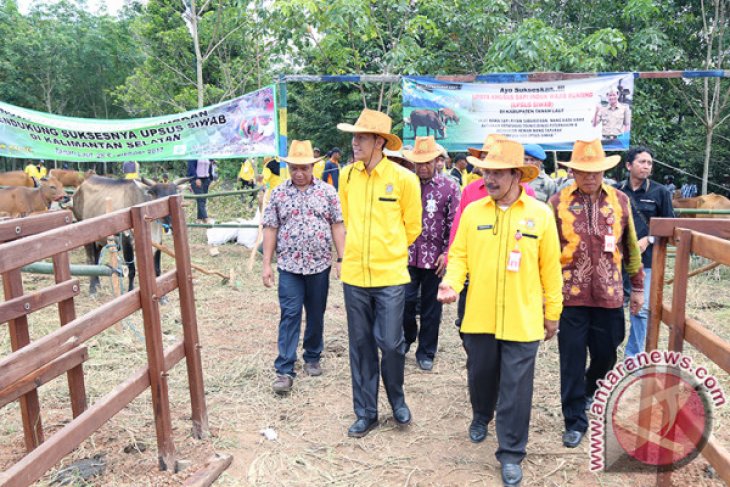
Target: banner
553 114
244 127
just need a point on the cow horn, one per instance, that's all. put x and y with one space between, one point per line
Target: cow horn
180 181
147 182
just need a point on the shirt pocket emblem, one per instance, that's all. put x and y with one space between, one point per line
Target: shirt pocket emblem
389 188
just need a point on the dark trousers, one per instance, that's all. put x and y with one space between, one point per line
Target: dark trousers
248 185
461 305
295 291
505 370
427 282
375 321
201 202
586 330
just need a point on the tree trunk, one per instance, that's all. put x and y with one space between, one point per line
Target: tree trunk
708 153
198 54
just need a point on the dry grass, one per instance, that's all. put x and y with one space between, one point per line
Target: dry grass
238 327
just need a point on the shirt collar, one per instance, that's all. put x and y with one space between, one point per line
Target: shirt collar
360 166
488 201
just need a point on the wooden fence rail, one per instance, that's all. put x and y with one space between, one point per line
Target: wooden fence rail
708 238
32 364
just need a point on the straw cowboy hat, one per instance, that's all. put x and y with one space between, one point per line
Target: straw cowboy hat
507 154
491 139
301 153
426 150
588 156
374 122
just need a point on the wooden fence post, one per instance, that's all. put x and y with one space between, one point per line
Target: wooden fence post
149 300
30 407
683 237
66 314
189 318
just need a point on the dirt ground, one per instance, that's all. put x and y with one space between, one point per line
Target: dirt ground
238 328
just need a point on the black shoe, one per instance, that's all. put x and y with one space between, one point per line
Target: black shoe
426 364
511 474
572 438
477 431
402 416
362 427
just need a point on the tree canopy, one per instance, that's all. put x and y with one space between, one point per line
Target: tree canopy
167 56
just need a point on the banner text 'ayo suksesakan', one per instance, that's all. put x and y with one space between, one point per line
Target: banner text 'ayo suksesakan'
553 113
244 127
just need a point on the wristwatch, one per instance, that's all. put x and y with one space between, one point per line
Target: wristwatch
651 240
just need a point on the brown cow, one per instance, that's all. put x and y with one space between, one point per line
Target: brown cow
22 201
710 201
17 178
90 201
448 115
70 178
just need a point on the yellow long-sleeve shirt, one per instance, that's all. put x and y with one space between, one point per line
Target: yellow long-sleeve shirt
318 169
246 172
382 213
501 302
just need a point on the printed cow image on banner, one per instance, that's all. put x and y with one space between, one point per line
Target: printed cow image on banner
243 127
553 114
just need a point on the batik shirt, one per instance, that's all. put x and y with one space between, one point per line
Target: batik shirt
592 274
304 219
440 200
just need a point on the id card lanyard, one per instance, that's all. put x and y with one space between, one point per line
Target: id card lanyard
513 264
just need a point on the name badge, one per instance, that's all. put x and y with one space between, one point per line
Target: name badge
609 243
513 264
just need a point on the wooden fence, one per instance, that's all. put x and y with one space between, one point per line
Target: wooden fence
708 238
33 363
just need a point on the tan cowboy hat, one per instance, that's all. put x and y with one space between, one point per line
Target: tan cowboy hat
395 155
443 150
588 156
488 142
507 154
301 153
426 150
374 122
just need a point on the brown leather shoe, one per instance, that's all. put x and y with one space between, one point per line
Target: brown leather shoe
312 368
282 384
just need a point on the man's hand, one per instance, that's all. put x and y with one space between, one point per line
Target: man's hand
268 276
441 265
198 183
636 301
337 269
446 294
643 244
551 328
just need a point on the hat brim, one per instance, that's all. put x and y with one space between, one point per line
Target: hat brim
476 152
422 158
528 171
301 161
392 141
604 165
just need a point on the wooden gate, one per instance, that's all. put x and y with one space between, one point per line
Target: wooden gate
62 351
708 238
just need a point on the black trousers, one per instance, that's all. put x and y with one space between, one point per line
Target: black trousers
427 282
504 370
375 322
248 185
201 202
586 330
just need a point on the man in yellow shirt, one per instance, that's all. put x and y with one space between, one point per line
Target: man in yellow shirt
508 245
247 178
32 170
381 207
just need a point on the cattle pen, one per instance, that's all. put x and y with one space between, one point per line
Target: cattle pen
63 351
707 238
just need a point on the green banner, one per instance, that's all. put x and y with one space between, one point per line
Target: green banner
244 127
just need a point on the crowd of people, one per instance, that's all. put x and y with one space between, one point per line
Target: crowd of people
526 257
